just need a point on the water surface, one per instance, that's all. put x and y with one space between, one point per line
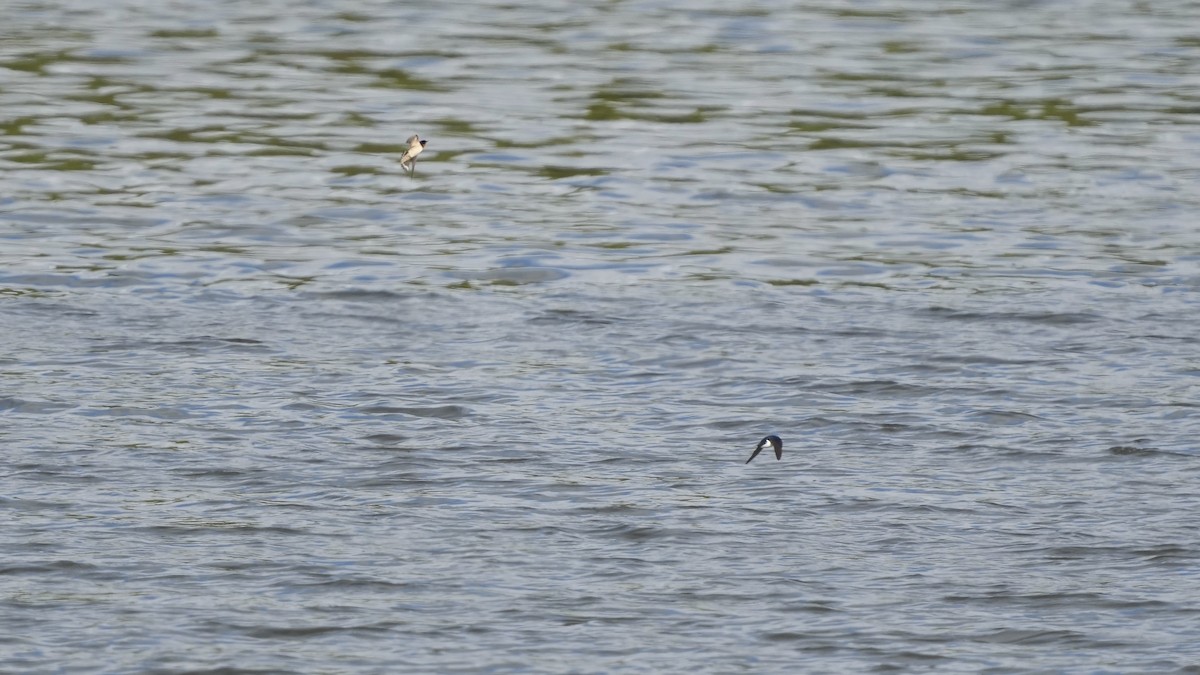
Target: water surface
273 406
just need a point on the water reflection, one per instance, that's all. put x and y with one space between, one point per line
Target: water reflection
263 386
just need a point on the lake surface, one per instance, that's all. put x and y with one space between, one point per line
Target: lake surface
270 405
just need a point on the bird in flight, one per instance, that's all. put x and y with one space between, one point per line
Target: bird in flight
409 161
773 441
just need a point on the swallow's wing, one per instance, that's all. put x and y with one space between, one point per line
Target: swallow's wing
779 450
756 451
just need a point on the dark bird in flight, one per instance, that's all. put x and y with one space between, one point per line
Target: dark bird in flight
773 441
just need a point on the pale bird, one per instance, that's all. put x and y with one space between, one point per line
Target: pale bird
409 161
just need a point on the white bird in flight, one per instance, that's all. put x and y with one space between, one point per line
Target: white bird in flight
409 161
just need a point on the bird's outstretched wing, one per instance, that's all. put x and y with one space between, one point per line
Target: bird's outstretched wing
773 441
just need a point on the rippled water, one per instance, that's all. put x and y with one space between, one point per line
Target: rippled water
270 405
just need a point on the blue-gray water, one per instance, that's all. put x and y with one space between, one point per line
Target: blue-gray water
271 406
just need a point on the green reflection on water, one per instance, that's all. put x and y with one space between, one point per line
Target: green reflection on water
14 127
455 126
1044 109
793 282
555 172
355 170
396 78
184 33
44 161
605 112
602 112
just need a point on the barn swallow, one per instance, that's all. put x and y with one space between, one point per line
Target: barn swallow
409 161
774 442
